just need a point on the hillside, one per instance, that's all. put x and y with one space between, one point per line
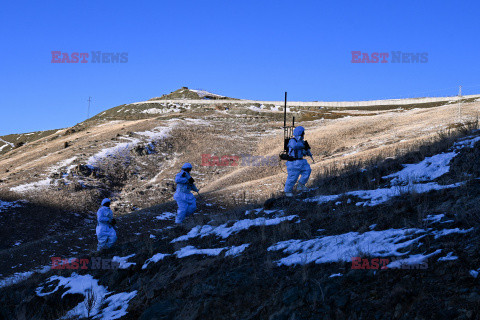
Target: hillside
391 182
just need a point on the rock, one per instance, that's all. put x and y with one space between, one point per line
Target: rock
140 150
70 131
83 170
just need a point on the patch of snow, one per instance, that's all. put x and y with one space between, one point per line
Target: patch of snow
448 257
31 186
224 232
158 133
166 216
468 142
116 304
378 196
157 257
434 218
236 250
253 211
191 250
7 143
230 251
335 275
203 93
21 276
123 264
119 151
343 247
122 150
161 110
445 232
426 170
197 121
4 146
47 181
415 259
323 198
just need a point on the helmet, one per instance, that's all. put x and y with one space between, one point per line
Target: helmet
298 131
105 201
187 165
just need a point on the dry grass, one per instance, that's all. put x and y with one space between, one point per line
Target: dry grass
337 145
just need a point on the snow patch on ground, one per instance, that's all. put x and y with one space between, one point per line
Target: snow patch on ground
445 232
426 170
158 133
415 259
377 196
122 150
343 247
7 143
203 93
448 257
224 232
434 218
116 304
122 261
31 186
166 216
20 276
157 257
161 110
230 251
335 275
47 181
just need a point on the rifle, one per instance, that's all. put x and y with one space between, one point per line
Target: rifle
307 147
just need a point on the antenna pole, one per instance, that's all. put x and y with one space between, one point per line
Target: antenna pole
88 110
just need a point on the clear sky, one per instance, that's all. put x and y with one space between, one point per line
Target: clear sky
244 49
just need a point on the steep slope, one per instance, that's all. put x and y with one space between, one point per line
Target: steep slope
412 255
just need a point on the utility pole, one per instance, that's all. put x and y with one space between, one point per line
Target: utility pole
88 111
460 104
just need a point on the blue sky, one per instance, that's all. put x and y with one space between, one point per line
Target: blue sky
244 49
